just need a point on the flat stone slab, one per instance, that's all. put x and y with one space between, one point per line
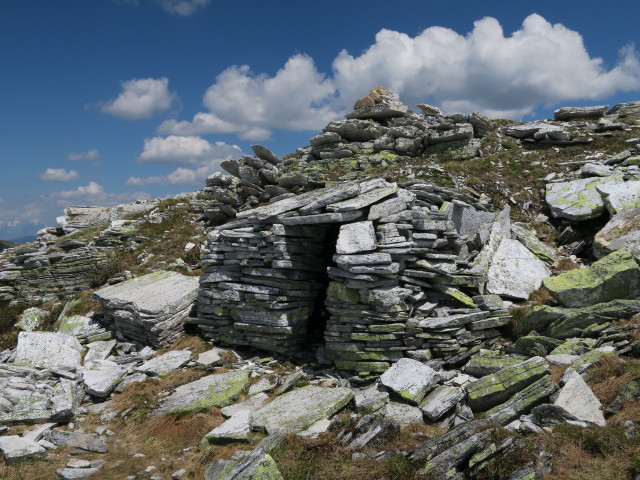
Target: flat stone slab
615 276
85 441
577 399
297 410
165 363
570 113
75 473
440 401
579 199
102 377
16 449
363 200
48 350
402 413
356 238
255 403
515 272
236 429
410 379
155 293
217 390
99 350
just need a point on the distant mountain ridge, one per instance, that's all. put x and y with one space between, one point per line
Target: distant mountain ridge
4 244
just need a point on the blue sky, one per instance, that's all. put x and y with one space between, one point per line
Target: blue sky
106 101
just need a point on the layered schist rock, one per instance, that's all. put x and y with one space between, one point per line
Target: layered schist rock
394 270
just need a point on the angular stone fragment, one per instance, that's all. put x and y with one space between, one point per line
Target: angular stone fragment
356 238
211 391
402 413
578 199
356 130
86 441
440 401
620 197
615 276
165 363
49 350
297 410
410 379
370 399
236 429
529 239
99 350
628 393
76 473
577 398
380 111
255 403
483 365
30 319
515 272
500 386
621 231
102 377
16 449
363 200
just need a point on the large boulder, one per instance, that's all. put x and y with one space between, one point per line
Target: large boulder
615 276
515 272
621 231
577 398
16 449
578 199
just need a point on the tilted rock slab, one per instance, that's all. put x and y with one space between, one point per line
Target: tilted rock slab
86 441
615 276
497 388
579 199
16 449
577 398
297 410
149 309
211 391
621 231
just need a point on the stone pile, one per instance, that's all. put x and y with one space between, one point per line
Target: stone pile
402 265
80 217
150 309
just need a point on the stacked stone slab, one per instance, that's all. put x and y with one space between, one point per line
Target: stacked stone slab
150 309
259 286
405 277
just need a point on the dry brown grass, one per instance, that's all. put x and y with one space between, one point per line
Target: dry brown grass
192 342
565 265
541 297
610 374
557 371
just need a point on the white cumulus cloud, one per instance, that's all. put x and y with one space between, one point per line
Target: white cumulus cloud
86 155
202 157
501 75
297 97
141 98
58 175
184 8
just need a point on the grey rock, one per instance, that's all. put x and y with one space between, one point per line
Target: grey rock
402 414
165 363
297 410
356 130
255 403
442 399
236 429
356 238
577 399
101 377
16 449
49 350
74 473
30 319
621 231
410 379
578 199
572 113
85 441
620 196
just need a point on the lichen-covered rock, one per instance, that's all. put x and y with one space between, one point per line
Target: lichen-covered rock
410 379
529 239
402 413
573 321
515 272
620 197
535 345
102 377
440 401
236 429
297 410
628 393
523 401
621 231
497 388
31 318
616 276
578 199
211 391
483 365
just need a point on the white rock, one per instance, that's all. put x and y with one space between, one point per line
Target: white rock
31 318
99 350
440 401
321 426
620 197
101 377
410 379
578 199
17 448
210 358
356 237
48 350
402 413
562 359
577 398
255 403
237 428
515 271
